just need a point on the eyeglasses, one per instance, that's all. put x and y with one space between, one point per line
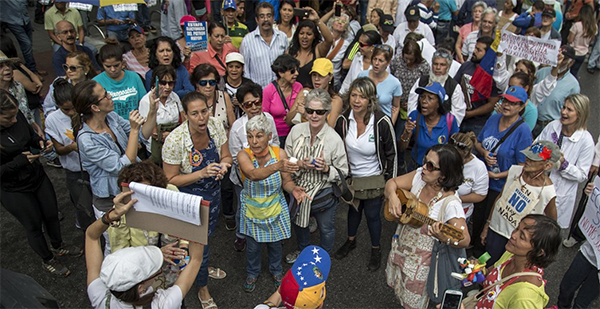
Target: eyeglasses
428 165
510 102
164 83
154 276
205 82
383 46
249 104
292 71
71 68
319 112
361 44
104 97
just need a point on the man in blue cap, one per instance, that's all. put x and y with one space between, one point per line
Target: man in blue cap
235 29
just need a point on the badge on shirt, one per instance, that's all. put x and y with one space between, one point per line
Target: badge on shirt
371 138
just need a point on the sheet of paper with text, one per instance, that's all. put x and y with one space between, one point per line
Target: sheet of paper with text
173 204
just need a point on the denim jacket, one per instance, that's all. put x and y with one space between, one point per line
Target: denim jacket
102 158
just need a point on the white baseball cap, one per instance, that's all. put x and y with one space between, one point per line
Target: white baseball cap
231 57
549 2
128 267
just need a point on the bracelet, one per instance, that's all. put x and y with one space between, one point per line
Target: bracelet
106 219
404 140
270 304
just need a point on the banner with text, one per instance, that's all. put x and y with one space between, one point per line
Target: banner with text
530 48
196 36
590 221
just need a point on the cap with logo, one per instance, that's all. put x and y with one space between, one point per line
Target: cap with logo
515 94
229 4
549 12
303 286
435 88
542 151
387 23
412 13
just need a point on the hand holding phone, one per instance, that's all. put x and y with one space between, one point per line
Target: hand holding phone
452 299
302 13
338 10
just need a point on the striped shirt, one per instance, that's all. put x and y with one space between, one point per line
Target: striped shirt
259 55
134 65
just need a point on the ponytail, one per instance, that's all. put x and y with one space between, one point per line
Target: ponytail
83 98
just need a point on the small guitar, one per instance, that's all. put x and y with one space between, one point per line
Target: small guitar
415 213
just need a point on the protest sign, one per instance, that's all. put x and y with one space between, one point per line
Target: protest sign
81 6
196 36
530 48
125 7
590 221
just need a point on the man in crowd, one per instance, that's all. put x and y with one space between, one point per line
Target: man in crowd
66 34
59 12
447 9
235 29
117 22
530 19
479 108
412 24
262 46
547 30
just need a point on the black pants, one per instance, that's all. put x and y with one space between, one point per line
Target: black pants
32 209
228 198
582 276
85 217
480 215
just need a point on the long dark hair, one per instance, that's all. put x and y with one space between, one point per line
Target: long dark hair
63 91
545 239
292 4
7 102
295 44
153 62
83 98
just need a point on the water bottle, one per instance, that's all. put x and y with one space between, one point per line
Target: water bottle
494 168
395 242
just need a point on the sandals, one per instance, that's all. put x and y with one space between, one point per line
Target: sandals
216 273
208 304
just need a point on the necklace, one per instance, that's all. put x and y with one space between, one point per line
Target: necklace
433 200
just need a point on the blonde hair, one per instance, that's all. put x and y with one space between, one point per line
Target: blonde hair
463 142
581 102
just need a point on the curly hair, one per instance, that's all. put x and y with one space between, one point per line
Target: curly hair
145 171
153 61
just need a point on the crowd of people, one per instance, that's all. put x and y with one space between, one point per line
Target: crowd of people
292 112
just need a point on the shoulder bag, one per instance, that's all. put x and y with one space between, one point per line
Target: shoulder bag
510 131
470 302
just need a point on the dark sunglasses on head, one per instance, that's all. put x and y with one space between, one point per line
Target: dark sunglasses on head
319 112
428 165
164 83
249 104
205 82
458 144
71 68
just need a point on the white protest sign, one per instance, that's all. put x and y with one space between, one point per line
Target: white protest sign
173 204
81 6
590 221
530 48
125 7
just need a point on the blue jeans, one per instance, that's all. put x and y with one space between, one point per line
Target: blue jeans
466 127
238 191
325 215
253 257
372 210
142 16
363 6
202 277
24 35
594 61
582 274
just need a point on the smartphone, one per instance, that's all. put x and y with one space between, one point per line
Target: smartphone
338 10
156 87
452 299
34 151
302 13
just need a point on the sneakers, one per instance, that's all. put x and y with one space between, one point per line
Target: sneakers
66 249
343 251
375 260
152 29
312 224
54 163
146 30
230 224
277 278
569 242
292 257
591 70
56 268
249 285
239 244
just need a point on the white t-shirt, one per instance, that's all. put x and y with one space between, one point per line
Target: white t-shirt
58 126
166 113
476 181
170 298
362 154
453 209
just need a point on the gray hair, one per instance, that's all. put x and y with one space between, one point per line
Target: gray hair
443 54
479 4
330 24
490 10
319 95
259 123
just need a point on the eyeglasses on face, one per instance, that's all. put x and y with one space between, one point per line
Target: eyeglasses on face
292 71
428 165
71 68
165 82
104 97
319 112
205 82
249 104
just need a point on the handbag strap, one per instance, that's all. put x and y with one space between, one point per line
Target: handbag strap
447 200
510 131
335 50
481 293
416 136
283 99
219 60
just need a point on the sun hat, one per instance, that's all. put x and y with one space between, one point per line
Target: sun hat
128 267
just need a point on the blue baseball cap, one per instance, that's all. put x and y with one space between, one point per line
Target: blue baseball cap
229 4
303 286
435 88
516 94
136 28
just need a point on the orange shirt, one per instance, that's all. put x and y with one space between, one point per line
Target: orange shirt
210 56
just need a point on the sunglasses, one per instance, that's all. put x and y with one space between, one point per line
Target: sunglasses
361 44
458 144
205 82
428 165
164 83
292 71
319 112
249 104
71 68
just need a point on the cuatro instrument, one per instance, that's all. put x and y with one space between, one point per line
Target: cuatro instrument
415 213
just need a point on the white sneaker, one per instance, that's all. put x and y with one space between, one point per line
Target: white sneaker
292 257
569 242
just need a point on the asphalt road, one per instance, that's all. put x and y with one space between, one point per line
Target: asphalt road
350 284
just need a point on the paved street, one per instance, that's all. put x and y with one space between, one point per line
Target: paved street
350 285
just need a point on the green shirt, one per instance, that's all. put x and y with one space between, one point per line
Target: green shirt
237 33
53 16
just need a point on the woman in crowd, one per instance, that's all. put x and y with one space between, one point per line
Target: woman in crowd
195 159
321 154
530 113
499 144
287 20
250 96
577 146
435 185
528 190
338 25
361 61
205 78
388 86
125 86
516 278
60 130
9 84
432 124
279 97
371 146
321 77
233 80
581 35
487 27
508 11
27 192
476 12
476 181
124 278
164 51
79 68
265 171
219 46
169 113
307 45
375 16
138 57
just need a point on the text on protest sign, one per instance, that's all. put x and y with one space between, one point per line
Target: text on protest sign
530 48
590 221
196 36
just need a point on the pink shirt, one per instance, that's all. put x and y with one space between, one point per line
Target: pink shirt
210 57
271 103
580 43
465 30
